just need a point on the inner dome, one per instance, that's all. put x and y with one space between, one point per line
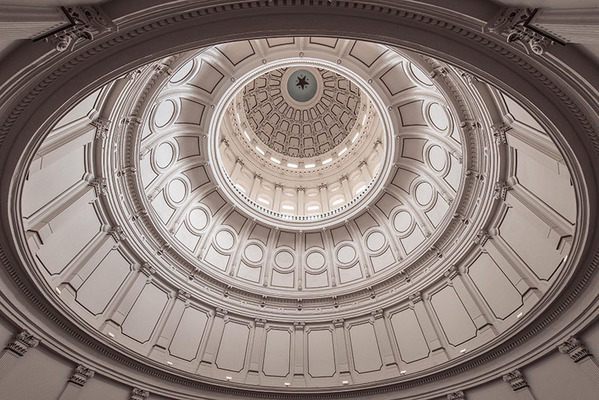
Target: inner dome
301 142
295 115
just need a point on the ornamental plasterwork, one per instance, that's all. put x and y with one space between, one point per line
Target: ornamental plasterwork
139 394
301 131
513 22
574 348
515 379
81 375
23 341
86 21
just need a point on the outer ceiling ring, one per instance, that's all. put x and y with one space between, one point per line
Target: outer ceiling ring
312 222
20 123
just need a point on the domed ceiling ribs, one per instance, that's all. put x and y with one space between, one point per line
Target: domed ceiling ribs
157 257
297 130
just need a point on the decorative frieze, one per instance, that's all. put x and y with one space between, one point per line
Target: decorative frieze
23 341
515 379
81 375
575 349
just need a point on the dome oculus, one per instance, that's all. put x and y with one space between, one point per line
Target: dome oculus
302 85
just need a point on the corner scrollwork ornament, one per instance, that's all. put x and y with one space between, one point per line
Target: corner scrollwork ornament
23 341
86 21
514 23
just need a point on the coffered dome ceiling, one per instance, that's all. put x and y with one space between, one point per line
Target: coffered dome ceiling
299 212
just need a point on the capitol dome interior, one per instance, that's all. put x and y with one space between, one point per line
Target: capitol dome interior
293 199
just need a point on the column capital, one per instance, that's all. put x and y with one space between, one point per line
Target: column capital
501 189
323 186
81 375
343 178
220 312
451 272
499 131
575 349
139 394
515 379
102 126
260 322
338 323
378 313
300 189
415 297
278 185
299 326
23 341
481 237
459 395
